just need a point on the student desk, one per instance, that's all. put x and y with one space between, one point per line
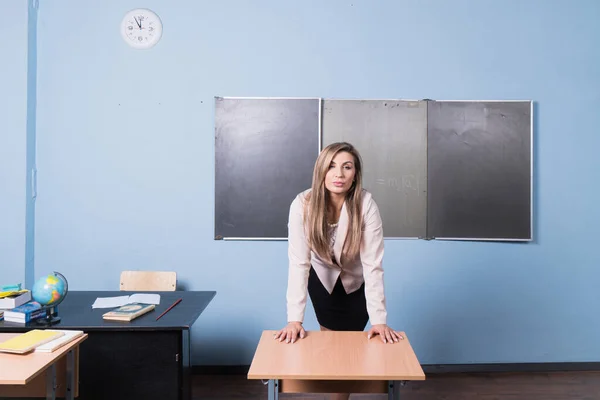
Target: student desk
142 359
22 375
334 362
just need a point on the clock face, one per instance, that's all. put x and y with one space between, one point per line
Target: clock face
141 28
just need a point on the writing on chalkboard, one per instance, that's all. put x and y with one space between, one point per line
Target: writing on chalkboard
405 184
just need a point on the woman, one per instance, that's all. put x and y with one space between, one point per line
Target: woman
335 251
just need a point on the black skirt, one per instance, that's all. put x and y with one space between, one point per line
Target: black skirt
338 311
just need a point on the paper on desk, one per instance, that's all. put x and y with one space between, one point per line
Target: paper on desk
109 302
118 301
146 298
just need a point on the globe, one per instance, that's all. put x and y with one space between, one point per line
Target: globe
50 290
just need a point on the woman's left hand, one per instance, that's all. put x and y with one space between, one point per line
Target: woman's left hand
387 334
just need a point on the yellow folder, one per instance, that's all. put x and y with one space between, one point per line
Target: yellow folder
26 342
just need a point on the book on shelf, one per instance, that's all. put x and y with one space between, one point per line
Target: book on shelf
12 299
128 312
26 342
67 337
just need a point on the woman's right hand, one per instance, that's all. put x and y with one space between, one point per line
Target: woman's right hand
291 332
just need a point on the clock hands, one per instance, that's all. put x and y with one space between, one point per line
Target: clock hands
138 22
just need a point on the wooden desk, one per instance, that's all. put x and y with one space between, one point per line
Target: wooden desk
22 375
144 359
334 362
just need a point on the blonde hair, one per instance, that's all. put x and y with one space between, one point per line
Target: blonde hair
317 201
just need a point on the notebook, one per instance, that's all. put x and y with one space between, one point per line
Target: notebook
59 342
28 341
128 312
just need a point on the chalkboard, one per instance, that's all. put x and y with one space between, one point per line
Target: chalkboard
391 137
479 170
265 150
437 169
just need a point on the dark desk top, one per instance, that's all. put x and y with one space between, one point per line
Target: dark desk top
76 312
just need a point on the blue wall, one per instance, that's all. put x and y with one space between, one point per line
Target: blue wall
13 139
125 158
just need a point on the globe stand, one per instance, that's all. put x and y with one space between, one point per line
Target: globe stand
50 319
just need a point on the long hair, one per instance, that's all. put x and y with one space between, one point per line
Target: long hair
316 206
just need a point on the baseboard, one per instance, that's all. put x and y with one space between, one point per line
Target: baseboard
511 367
220 369
436 368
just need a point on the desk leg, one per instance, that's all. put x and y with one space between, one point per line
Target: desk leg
51 382
70 388
186 364
394 389
273 389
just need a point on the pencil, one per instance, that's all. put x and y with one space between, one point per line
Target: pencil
169 309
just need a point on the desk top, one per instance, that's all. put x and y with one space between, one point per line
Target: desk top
336 356
76 312
20 369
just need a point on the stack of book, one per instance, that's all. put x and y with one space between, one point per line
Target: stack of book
14 298
39 341
16 305
24 313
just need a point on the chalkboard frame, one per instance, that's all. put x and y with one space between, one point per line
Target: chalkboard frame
530 238
428 236
403 124
217 99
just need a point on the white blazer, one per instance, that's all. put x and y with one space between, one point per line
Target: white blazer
367 267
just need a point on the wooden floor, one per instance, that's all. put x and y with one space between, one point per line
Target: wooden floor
497 386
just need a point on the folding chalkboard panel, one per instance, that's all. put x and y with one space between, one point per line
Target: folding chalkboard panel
479 170
391 136
437 169
265 150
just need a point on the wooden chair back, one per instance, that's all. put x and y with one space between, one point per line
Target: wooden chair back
151 281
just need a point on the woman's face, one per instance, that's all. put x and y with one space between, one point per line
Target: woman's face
340 176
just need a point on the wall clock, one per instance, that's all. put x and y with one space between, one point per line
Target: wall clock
141 28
